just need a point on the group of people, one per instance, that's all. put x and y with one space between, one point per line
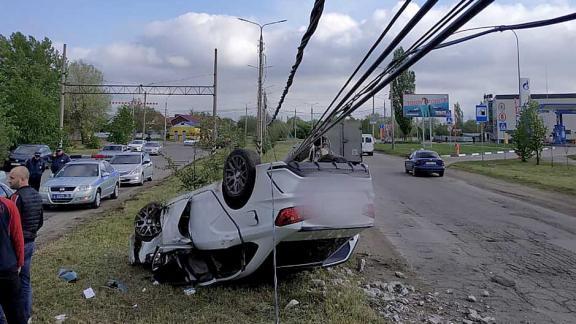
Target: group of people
21 216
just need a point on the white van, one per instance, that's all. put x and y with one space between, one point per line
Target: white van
367 144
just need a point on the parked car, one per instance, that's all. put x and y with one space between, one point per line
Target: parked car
110 151
190 142
24 152
136 145
134 168
81 182
224 231
152 148
5 191
367 144
423 161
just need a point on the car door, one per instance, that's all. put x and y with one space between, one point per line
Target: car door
107 179
147 165
114 175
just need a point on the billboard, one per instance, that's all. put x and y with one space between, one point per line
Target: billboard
425 105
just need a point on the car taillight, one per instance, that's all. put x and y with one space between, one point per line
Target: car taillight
288 216
369 211
98 156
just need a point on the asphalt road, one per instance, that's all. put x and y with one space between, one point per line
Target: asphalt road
58 221
470 233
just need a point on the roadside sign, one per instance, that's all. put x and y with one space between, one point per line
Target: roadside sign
449 120
502 116
481 113
425 105
382 126
502 126
374 119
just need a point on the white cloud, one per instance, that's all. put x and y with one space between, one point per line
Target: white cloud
184 46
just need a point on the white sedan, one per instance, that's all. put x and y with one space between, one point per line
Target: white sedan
312 212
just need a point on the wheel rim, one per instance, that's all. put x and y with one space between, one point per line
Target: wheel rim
236 175
146 224
142 178
116 191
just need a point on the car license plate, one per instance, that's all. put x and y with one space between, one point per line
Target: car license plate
15 163
430 163
60 196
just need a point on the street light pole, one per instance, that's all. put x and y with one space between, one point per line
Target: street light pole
259 114
518 62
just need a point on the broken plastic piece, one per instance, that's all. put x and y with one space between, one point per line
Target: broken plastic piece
67 275
60 318
189 291
116 284
89 293
292 303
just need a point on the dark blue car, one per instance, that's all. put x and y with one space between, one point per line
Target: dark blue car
422 161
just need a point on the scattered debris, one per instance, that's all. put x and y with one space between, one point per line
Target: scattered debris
338 281
467 322
400 275
89 293
503 281
361 265
60 318
449 291
189 291
347 271
421 303
155 283
396 318
67 275
292 303
116 284
485 293
435 319
135 306
318 283
471 299
144 289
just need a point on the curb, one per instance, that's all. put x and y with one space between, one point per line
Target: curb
487 153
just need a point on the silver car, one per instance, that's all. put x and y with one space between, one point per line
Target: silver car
152 148
81 182
110 151
136 145
134 168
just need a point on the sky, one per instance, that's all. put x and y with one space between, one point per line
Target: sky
172 43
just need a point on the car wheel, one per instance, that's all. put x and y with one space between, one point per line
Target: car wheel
406 170
116 191
441 173
147 222
415 173
149 178
141 183
239 177
97 200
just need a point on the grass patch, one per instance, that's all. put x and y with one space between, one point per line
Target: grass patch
97 251
560 178
573 157
403 149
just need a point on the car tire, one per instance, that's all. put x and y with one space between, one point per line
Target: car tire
97 200
141 183
116 191
415 173
149 178
406 170
239 177
441 173
147 223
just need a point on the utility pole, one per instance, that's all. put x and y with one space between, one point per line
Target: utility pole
215 133
246 125
62 95
312 116
165 118
373 112
144 113
393 115
294 123
259 114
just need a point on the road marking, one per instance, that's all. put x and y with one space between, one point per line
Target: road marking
475 154
460 155
445 156
487 153
500 152
511 151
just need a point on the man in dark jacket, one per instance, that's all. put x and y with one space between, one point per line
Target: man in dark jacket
59 159
11 261
36 166
29 204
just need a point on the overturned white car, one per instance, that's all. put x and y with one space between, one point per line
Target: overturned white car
311 211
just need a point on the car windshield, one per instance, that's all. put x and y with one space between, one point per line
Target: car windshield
151 145
112 148
26 150
368 140
126 159
427 155
137 142
79 170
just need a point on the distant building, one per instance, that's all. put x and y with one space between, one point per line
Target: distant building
183 127
555 109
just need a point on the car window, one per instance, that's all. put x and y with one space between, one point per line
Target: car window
112 148
29 150
126 159
109 168
427 155
79 170
368 140
146 157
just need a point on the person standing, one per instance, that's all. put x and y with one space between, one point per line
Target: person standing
59 159
29 204
11 261
36 166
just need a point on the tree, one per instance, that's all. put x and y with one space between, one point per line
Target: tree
6 131
30 84
470 126
458 116
250 124
530 133
122 126
85 114
154 119
405 83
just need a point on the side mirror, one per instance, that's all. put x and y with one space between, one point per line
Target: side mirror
105 174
